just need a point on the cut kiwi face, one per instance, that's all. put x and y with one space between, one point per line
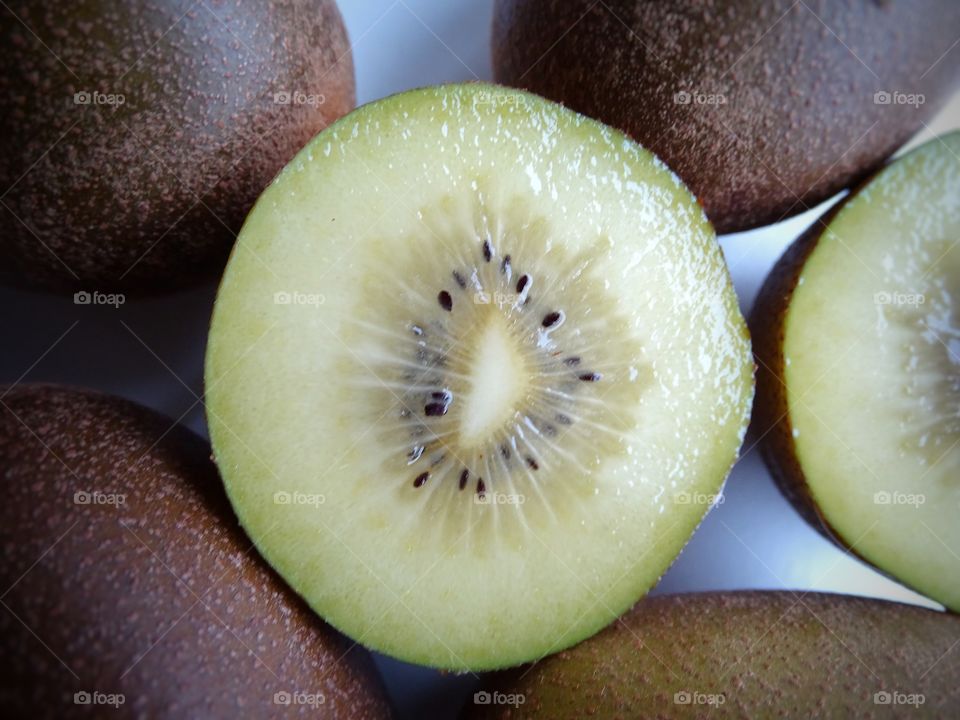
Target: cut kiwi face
475 373
859 344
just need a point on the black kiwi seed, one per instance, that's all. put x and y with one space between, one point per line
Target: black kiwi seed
505 452
481 488
435 409
464 476
552 318
572 361
532 463
421 479
417 330
441 403
446 302
563 419
505 266
590 377
522 283
461 281
487 250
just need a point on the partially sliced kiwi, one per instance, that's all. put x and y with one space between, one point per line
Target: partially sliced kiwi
858 333
475 373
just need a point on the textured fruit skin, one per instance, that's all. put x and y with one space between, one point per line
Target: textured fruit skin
799 122
767 654
148 195
99 584
770 421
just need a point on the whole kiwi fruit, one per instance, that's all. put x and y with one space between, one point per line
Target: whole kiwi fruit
763 107
128 588
136 135
759 654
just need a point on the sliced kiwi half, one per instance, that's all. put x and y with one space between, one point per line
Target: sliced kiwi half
475 373
858 333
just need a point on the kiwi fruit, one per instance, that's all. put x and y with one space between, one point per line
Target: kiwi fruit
858 346
129 589
756 654
136 135
764 108
492 383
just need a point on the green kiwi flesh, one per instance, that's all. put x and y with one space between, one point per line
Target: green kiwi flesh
475 373
858 345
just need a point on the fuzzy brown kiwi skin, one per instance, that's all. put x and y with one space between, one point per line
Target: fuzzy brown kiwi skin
148 196
799 122
145 585
770 423
769 654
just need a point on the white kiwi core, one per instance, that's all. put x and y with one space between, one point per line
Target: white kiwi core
499 378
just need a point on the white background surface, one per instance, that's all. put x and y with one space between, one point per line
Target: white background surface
152 351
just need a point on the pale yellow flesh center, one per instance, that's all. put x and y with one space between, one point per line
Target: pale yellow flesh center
499 377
